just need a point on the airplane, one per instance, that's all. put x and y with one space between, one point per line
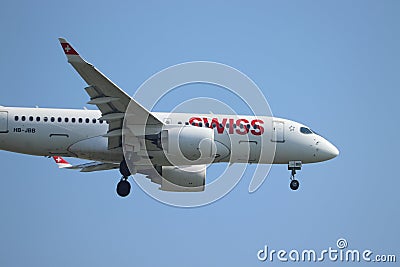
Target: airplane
171 149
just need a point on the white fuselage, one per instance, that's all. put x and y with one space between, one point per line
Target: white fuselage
79 133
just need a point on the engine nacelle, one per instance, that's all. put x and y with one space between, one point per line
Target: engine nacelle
183 178
188 145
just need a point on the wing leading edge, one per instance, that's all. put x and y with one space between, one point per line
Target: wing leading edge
111 100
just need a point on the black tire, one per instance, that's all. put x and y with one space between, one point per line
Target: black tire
123 169
123 188
294 184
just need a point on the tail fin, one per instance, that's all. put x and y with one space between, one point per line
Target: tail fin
61 163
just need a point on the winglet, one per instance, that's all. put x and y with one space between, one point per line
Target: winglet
61 163
69 51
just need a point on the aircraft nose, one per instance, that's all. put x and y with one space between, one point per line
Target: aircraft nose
327 150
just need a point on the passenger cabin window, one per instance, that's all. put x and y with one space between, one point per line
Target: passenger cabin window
52 119
16 118
23 118
305 130
45 119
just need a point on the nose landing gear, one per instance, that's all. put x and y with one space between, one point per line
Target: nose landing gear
294 184
293 166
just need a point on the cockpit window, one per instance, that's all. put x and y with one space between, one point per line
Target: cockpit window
305 130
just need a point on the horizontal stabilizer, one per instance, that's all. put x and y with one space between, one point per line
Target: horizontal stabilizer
85 167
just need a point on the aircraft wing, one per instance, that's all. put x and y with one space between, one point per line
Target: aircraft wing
85 167
111 100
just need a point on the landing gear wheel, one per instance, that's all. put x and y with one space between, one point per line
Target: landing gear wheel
293 166
123 188
123 169
294 184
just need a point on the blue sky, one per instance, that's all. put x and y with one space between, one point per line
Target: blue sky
332 65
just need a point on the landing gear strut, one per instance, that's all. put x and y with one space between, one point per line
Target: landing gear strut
123 186
293 166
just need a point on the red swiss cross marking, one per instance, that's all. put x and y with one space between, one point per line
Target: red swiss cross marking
68 49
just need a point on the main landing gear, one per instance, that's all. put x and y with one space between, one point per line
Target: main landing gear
294 166
123 186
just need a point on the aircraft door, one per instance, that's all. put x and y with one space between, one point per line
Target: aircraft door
278 132
3 122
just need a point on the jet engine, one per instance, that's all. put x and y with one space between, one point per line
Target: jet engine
188 145
183 178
